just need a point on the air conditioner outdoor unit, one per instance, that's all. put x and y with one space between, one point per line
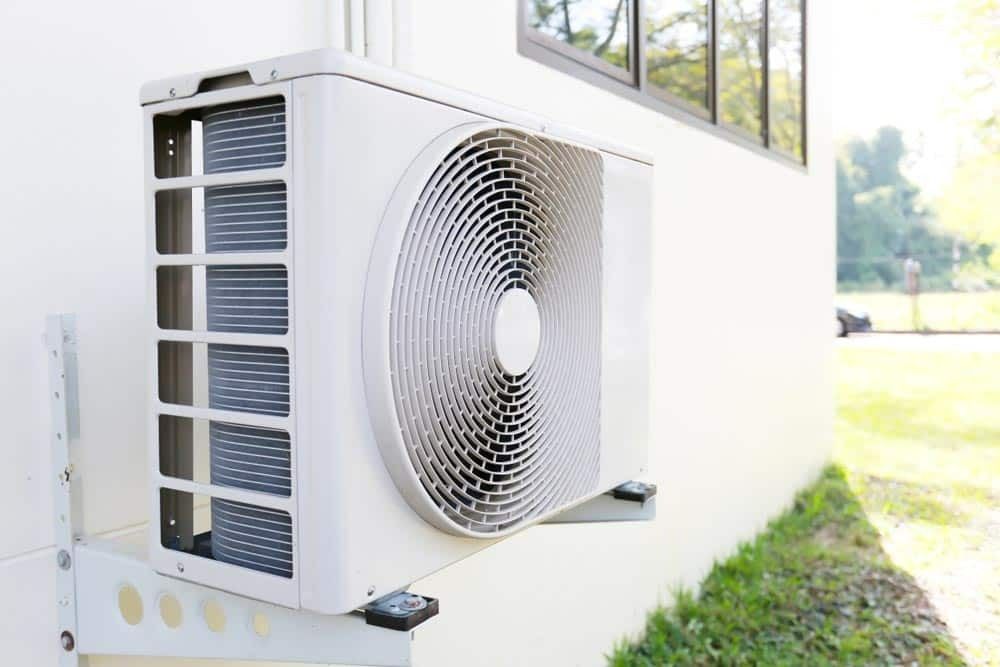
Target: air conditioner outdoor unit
391 324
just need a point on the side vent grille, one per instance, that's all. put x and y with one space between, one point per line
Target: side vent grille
244 299
247 218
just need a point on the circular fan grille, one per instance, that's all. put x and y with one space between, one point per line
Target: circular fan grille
504 210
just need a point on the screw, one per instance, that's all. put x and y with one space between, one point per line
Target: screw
173 92
371 591
413 603
274 74
180 567
67 641
63 559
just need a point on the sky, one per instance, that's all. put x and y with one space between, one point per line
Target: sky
896 63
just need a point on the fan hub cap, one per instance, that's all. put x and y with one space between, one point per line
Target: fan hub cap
517 331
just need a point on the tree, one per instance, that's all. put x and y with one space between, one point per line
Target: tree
976 26
970 204
605 37
881 220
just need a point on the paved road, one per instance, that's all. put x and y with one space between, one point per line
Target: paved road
970 342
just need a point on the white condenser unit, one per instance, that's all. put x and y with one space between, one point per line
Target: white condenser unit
391 324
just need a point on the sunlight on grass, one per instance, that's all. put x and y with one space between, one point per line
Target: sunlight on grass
893 557
919 434
813 589
942 311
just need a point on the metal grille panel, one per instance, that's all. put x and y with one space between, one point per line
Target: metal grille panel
505 210
248 299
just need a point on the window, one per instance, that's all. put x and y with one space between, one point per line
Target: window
599 28
785 80
741 78
677 51
733 67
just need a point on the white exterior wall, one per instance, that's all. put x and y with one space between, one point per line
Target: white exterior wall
743 281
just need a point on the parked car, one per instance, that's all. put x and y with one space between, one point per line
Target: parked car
851 320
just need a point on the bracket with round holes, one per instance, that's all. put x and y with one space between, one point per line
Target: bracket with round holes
112 602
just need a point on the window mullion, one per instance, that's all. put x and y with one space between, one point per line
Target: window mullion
713 60
803 96
765 78
638 15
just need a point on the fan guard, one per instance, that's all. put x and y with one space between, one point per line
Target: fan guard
484 214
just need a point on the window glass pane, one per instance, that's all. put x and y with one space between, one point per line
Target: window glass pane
740 24
784 31
677 48
599 27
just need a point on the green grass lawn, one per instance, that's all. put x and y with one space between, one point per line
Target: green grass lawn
951 311
919 435
892 557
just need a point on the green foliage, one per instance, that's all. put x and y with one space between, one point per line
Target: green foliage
677 49
814 589
740 64
970 205
881 220
784 32
974 24
607 39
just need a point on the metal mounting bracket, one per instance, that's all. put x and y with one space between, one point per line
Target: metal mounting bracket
631 501
112 602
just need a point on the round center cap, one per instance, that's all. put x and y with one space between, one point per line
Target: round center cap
517 331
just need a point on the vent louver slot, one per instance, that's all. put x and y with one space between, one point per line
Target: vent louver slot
248 299
251 536
248 378
244 135
246 218
245 457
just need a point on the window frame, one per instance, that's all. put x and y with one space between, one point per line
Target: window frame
702 113
767 97
634 85
629 76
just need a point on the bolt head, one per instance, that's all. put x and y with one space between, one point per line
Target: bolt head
413 603
180 567
173 92
67 641
63 559
274 74
371 591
